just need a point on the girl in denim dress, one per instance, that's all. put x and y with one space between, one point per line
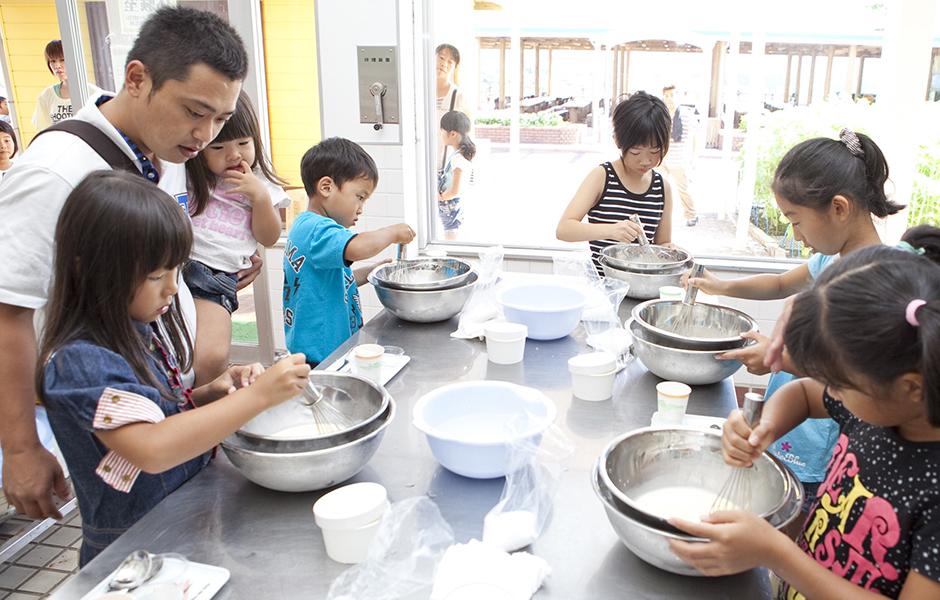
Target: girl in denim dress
114 346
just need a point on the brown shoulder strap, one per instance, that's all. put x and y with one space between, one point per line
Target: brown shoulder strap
98 141
453 98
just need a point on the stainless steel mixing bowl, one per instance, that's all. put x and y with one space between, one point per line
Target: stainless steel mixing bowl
689 463
651 543
347 404
423 274
310 470
428 306
636 258
694 367
703 327
643 285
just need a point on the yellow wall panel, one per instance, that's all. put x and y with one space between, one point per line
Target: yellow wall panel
27 26
290 51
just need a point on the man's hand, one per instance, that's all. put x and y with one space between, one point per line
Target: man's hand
246 276
30 477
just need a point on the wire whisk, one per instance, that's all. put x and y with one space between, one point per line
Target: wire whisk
735 494
327 418
685 320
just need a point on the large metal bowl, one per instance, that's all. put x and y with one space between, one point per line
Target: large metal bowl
651 543
643 286
427 306
678 472
310 470
639 259
346 404
694 367
349 404
423 274
705 327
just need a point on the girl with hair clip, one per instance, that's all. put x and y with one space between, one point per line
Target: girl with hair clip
868 333
628 185
128 429
234 196
460 150
829 190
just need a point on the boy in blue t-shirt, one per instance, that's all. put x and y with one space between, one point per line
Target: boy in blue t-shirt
321 297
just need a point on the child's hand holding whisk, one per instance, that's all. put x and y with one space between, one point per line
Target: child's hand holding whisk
284 380
740 444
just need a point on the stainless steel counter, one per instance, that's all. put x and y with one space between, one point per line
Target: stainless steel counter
272 547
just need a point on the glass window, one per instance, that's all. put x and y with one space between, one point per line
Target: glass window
541 83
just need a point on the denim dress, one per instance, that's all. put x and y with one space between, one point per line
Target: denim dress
86 388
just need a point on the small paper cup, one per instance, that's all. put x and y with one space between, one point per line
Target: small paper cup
672 399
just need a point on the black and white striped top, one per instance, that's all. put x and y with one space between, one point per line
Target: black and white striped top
617 203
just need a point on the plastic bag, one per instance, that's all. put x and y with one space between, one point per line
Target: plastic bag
524 506
600 318
482 305
403 557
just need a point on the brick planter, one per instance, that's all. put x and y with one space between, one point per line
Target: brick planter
530 135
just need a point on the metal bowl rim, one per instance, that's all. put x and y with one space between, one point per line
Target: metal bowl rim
635 313
393 409
439 285
653 267
676 270
384 404
609 484
471 280
629 323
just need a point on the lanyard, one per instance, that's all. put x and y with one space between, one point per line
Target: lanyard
147 168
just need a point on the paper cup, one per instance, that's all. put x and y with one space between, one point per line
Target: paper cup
672 399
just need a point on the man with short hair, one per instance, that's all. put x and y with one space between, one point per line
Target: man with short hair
678 160
181 80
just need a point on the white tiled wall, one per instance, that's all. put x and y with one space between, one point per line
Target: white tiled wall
399 167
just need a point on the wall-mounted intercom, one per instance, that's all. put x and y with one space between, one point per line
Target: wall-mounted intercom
378 85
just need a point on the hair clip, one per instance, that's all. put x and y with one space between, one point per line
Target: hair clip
909 248
910 313
850 141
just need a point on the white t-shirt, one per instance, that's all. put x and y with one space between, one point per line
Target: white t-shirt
51 108
32 194
222 237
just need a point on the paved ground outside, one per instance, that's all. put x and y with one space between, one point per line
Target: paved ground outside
43 565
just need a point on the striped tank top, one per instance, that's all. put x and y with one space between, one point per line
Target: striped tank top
617 203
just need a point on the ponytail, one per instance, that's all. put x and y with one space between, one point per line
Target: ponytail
814 171
457 121
467 148
927 317
924 240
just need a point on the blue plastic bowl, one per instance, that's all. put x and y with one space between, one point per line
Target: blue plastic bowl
477 428
549 311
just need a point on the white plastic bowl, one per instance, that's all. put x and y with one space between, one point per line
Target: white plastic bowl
550 311
473 427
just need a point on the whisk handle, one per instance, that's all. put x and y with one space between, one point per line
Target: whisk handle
690 291
641 239
753 407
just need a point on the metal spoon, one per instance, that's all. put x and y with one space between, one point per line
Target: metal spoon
138 568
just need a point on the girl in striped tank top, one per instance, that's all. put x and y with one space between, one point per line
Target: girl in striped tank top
629 185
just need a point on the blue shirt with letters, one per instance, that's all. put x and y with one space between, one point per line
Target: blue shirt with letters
807 447
321 300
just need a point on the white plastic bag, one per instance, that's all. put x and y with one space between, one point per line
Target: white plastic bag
523 509
403 557
482 306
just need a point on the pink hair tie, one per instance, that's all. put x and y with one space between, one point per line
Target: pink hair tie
911 313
